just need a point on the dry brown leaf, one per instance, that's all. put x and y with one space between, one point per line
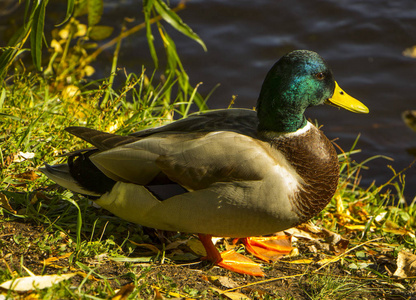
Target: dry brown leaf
231 295
406 265
175 244
310 227
124 292
28 175
4 202
147 246
39 195
336 242
223 281
299 233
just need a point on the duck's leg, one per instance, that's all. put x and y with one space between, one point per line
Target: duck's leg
268 248
230 259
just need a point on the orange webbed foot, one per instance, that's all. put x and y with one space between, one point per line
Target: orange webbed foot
268 248
230 259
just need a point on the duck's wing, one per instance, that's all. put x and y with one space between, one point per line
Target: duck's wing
171 150
238 185
101 140
238 120
194 160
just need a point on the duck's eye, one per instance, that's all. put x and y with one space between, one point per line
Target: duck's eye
320 76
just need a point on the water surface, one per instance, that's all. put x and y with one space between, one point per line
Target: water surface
362 41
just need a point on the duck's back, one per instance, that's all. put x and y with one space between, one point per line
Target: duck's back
243 121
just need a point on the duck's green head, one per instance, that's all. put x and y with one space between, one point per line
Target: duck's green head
300 79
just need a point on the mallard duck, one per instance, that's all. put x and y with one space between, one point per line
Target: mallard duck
231 172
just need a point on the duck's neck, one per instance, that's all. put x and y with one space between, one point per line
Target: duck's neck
281 105
284 122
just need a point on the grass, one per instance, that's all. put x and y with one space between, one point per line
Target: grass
45 229
49 230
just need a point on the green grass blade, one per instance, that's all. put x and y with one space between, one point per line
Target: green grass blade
5 59
69 11
176 22
37 33
79 221
147 9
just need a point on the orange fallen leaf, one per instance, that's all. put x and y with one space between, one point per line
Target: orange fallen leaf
50 260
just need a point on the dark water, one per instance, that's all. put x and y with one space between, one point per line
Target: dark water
363 42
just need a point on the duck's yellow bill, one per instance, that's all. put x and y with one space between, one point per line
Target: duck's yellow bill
342 99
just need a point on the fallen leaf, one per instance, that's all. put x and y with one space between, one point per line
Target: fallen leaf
310 227
4 202
328 260
175 244
340 203
236 296
22 156
28 175
196 246
124 292
406 265
223 281
147 246
231 295
336 242
359 227
299 233
300 261
28 283
51 260
394 228
157 295
358 265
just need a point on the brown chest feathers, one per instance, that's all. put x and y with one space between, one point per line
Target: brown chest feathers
316 161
